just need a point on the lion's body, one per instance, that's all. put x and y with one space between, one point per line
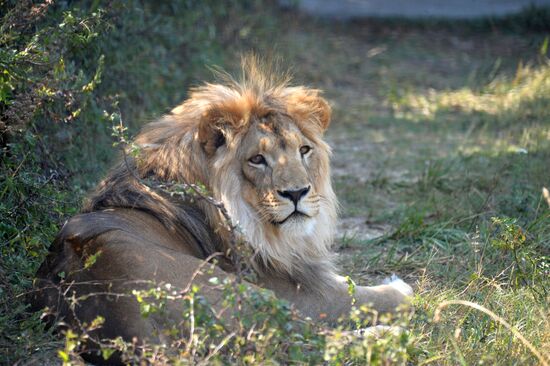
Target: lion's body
257 147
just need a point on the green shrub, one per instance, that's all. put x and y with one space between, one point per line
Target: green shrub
65 68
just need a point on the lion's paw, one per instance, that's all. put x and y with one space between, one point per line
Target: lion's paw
379 331
399 285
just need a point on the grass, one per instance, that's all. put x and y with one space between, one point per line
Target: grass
452 148
440 135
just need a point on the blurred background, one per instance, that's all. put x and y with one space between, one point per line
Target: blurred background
417 9
441 139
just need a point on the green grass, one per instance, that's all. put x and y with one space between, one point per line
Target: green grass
438 139
441 135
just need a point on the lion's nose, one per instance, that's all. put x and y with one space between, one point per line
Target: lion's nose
296 195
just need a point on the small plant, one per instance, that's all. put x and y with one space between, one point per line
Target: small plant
529 269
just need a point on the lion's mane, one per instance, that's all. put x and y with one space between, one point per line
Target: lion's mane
184 146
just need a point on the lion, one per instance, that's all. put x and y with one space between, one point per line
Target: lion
256 145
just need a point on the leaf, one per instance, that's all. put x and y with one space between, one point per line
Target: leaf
63 355
544 47
351 289
90 261
107 352
97 322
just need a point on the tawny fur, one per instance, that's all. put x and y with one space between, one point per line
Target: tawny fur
176 148
146 234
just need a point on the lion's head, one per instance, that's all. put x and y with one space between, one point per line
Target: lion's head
272 171
257 145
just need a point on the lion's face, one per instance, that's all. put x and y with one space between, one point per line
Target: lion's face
265 159
279 165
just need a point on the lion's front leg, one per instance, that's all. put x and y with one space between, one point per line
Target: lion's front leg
389 297
337 301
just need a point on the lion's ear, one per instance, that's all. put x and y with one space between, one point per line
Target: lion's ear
211 132
307 105
217 125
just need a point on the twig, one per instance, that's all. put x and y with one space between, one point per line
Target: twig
217 349
437 317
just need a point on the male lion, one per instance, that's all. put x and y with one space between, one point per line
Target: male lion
257 146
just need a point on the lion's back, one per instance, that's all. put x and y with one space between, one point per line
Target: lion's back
102 245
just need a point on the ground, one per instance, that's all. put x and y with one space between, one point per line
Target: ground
441 150
436 130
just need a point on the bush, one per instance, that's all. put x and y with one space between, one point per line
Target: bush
64 69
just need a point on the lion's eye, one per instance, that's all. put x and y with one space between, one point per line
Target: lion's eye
258 159
305 149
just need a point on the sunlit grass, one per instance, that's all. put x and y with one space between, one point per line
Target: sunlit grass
526 93
473 154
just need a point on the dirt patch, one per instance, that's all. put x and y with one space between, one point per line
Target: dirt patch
347 161
360 229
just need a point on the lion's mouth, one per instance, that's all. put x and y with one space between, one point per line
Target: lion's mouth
295 215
